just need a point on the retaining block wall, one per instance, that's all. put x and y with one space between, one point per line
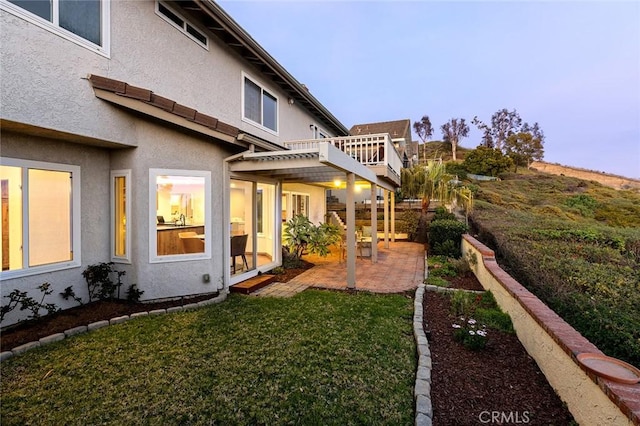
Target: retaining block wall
554 345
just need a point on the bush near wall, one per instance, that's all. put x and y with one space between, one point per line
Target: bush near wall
445 236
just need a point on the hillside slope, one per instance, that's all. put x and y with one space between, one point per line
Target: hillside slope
576 245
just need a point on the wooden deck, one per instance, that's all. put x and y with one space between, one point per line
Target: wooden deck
253 284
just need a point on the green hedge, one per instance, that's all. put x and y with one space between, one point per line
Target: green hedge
445 237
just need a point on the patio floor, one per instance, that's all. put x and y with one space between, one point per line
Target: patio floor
399 268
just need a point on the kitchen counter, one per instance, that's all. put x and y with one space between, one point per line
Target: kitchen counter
170 226
169 239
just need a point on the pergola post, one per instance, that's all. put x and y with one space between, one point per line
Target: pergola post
393 216
386 218
351 231
374 223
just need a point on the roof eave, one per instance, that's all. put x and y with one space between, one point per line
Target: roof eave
297 90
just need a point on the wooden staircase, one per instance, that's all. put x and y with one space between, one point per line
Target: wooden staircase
253 284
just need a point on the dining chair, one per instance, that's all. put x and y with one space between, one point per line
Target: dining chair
238 248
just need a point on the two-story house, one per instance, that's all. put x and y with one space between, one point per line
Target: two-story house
157 135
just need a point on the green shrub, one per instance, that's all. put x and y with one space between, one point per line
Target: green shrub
582 203
445 237
456 169
301 234
495 318
443 214
408 222
437 281
486 161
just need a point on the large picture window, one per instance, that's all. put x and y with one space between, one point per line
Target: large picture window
260 106
179 212
40 217
78 20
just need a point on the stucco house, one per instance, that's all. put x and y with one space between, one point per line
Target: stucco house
126 124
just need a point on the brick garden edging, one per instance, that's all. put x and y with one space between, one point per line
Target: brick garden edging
554 344
105 323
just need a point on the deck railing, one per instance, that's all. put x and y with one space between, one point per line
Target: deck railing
370 150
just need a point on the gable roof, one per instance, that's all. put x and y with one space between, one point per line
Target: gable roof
216 20
396 129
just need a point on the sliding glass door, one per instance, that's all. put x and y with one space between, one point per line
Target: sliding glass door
252 225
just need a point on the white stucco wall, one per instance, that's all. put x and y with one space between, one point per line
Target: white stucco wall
44 85
44 76
94 193
317 199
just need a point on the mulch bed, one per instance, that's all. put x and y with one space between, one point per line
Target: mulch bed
500 384
35 329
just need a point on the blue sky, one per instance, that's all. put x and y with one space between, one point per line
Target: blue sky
573 67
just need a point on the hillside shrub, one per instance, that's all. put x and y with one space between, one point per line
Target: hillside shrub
445 237
486 161
408 222
582 203
587 269
443 214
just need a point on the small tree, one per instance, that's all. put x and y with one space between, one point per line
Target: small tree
424 130
523 148
301 235
453 131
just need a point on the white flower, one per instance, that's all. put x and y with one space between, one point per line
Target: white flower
456 326
471 332
481 333
471 321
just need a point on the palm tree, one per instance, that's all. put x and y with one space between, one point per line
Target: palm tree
432 182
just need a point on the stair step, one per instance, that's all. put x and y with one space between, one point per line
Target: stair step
253 284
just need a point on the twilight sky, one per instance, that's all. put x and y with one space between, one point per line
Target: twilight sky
573 67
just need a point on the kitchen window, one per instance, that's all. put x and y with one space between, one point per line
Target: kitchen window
85 22
179 214
41 217
259 106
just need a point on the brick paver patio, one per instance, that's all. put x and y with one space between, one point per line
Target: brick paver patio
399 268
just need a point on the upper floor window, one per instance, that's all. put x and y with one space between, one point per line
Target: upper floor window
174 18
83 21
259 106
41 217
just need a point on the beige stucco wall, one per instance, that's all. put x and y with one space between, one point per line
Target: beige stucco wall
587 402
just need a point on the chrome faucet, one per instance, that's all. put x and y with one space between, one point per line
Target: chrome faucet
183 220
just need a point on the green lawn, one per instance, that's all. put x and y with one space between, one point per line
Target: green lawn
318 358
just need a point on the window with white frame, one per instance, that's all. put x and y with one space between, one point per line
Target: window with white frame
40 217
294 204
120 216
85 22
259 106
179 214
173 17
